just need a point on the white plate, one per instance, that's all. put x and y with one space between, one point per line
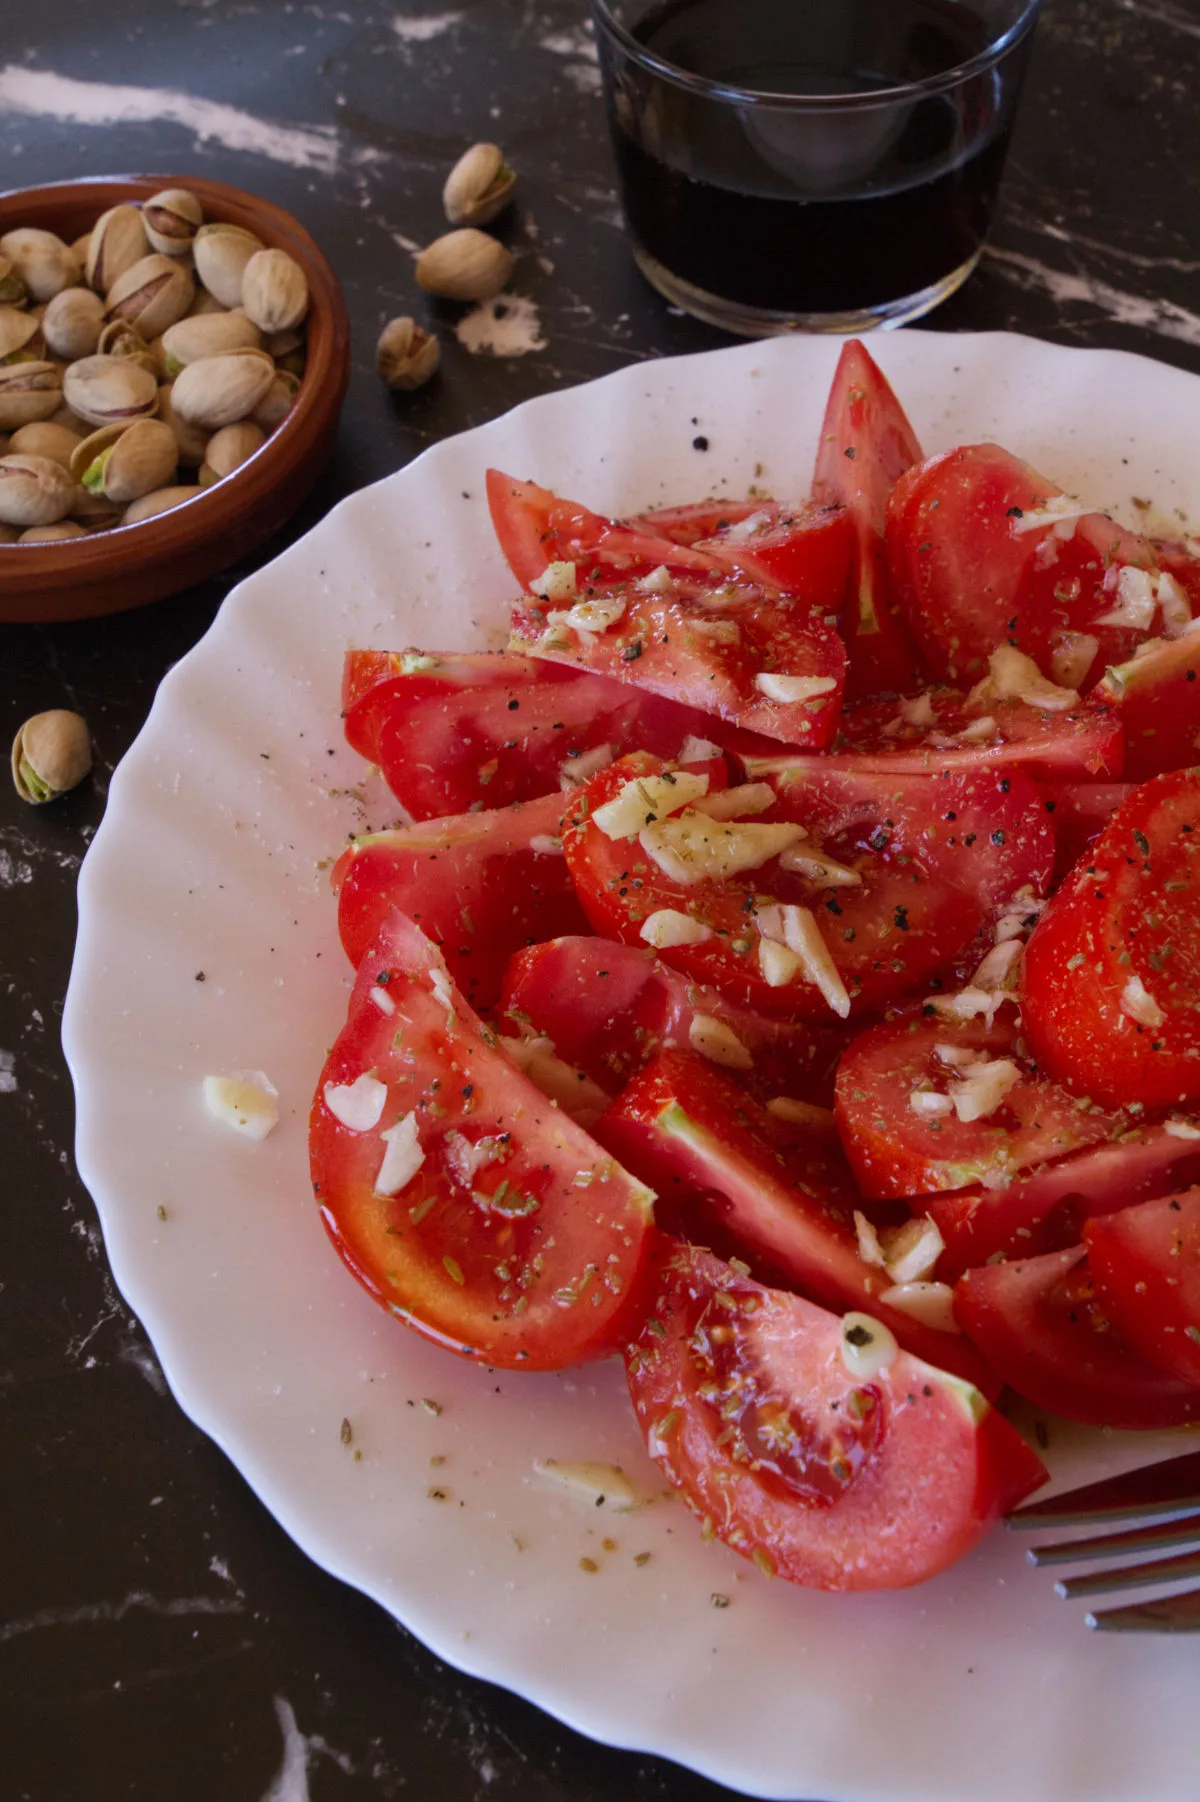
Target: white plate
981 1684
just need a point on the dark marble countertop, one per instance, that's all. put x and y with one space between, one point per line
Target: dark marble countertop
160 1636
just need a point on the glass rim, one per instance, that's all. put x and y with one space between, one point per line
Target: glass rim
867 97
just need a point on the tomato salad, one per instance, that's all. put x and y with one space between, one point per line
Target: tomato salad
790 980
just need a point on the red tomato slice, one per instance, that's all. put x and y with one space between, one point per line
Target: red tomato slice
452 731
1111 976
609 1008
715 1159
804 551
1157 699
1042 1326
1047 1211
830 1481
1145 1262
512 1238
480 885
866 445
536 528
896 1151
970 575
702 519
1079 813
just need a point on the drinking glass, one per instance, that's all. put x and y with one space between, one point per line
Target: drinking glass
810 165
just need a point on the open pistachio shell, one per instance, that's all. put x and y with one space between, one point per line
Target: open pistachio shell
161 501
140 459
406 354
72 322
44 263
221 253
45 439
220 390
118 241
18 330
172 218
152 295
229 448
192 338
479 186
51 753
120 339
28 392
34 491
108 390
277 402
95 511
204 303
12 288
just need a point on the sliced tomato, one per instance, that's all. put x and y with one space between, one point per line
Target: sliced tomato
511 1238
608 1008
1046 1211
1145 1262
1042 1326
970 574
1111 978
480 885
535 528
1079 813
1156 697
805 550
724 1179
701 519
866 445
831 1481
895 1150
453 730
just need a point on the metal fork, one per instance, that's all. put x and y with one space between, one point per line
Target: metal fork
1168 1496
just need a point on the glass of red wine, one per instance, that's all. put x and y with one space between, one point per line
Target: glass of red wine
810 165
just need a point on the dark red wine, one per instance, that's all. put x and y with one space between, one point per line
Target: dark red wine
817 212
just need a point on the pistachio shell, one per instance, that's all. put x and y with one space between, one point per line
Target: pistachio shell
229 448
204 303
45 439
51 753
282 344
12 288
88 449
464 265
220 390
152 295
221 253
10 535
34 491
118 241
140 460
479 186
191 339
172 218
406 355
42 260
17 330
28 392
160 501
274 290
81 249
277 403
120 339
95 511
71 323
71 420
191 440
104 390
66 528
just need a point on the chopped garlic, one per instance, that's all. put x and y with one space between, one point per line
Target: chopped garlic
719 631
793 688
734 803
746 528
868 1347
359 1104
1139 1004
777 963
466 1158
797 928
869 1248
1059 509
982 1087
574 771
1072 657
597 615
929 1104
956 1057
668 927
801 1113
968 1004
979 732
1181 1129
999 968
1136 599
556 582
381 998
573 1090
594 1483
911 1251
246 1100
1012 676
930 1303
718 1042
659 581
402 1156
818 866
1174 604
698 750
543 844
691 848
647 799
414 663
439 982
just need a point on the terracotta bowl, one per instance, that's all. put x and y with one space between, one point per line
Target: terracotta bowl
128 566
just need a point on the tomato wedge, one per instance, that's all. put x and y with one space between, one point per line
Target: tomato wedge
1079 812
804 550
462 1201
1111 976
866 445
1145 1262
973 570
1041 1325
829 1480
687 525
480 885
896 1150
1156 697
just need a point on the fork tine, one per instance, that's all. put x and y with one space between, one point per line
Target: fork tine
1171 1487
1158 1538
1170 1614
1131 1576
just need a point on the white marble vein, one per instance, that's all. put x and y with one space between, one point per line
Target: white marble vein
116 1611
421 30
1070 287
1162 13
290 1783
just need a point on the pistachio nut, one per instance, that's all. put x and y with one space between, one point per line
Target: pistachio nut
229 448
406 355
71 323
152 295
120 339
172 219
118 241
18 333
221 253
94 511
104 390
161 501
51 753
479 186
28 392
34 491
464 265
190 339
42 260
282 344
65 417
274 290
204 303
277 402
220 390
12 288
45 439
10 534
191 441
66 528
138 460
81 249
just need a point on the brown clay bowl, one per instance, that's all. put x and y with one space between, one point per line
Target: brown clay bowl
108 572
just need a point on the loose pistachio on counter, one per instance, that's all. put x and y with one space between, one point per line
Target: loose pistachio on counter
464 265
479 186
51 754
406 355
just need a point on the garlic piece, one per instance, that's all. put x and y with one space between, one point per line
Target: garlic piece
791 689
669 927
717 1041
645 799
868 1347
247 1101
